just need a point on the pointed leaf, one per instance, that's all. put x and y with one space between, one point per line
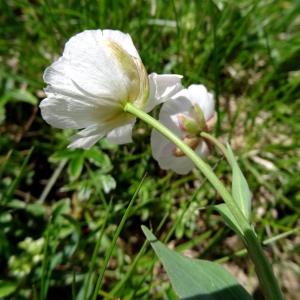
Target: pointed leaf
228 217
75 166
196 279
240 189
99 158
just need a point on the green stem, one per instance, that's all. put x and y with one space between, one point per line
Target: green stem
264 270
216 142
200 164
271 240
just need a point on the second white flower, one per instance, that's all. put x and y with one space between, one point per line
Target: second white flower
187 114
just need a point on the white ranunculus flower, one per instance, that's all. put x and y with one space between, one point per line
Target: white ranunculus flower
99 72
187 114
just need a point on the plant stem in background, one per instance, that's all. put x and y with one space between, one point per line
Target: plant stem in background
268 282
210 138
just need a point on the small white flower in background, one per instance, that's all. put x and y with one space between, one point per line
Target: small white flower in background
187 114
88 86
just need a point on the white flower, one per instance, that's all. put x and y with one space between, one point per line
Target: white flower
88 86
187 114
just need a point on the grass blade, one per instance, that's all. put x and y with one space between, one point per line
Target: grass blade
116 235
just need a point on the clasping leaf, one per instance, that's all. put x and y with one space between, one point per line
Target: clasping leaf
194 279
240 189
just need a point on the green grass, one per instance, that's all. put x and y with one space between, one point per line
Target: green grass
247 52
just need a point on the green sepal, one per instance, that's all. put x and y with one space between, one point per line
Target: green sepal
199 116
189 125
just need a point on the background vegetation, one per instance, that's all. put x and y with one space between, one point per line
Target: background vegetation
58 207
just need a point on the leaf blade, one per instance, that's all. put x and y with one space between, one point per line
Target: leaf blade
196 279
240 188
228 218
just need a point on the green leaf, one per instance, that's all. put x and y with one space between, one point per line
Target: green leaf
16 204
240 189
7 288
61 207
196 279
64 154
75 166
228 217
98 158
36 209
108 183
23 96
19 95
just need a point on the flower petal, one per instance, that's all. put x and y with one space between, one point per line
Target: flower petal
92 67
121 135
91 134
123 39
89 85
162 88
87 137
180 104
85 142
57 80
202 150
64 112
162 148
60 84
182 165
199 95
163 152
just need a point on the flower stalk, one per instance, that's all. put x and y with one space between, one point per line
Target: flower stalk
263 268
200 164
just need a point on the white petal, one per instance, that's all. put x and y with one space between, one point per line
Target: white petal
85 142
182 165
162 88
60 83
163 152
179 104
163 149
55 76
202 150
84 86
92 67
123 39
88 85
88 137
81 42
160 146
198 94
64 112
121 135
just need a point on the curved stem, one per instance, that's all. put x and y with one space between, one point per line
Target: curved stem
200 164
264 270
216 142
